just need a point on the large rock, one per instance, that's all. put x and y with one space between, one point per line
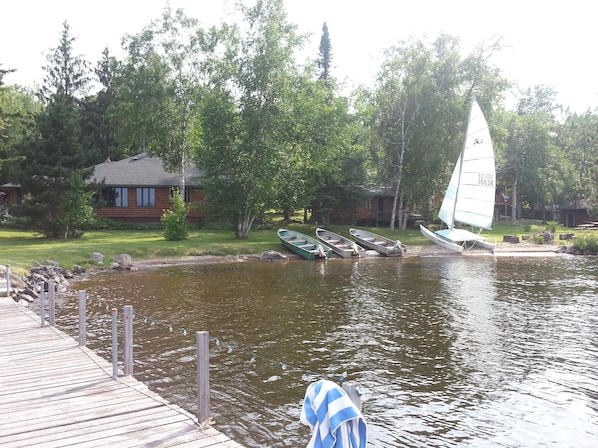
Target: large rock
272 255
97 257
123 260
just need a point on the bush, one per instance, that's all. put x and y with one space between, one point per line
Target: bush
587 241
175 219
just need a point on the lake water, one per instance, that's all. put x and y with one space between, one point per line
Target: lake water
449 351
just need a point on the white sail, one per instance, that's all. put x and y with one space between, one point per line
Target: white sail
470 195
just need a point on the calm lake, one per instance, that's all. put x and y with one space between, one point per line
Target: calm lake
450 351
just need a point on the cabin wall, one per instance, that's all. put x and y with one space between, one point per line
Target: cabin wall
132 213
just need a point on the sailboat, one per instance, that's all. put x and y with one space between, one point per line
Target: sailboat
470 196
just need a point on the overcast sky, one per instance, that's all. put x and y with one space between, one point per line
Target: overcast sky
546 42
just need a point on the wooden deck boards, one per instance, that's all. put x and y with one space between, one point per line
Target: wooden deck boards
54 393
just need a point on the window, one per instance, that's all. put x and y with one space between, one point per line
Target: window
368 204
146 197
116 197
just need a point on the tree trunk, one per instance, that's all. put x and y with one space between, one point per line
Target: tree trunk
514 204
244 226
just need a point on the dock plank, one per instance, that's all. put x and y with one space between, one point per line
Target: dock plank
54 393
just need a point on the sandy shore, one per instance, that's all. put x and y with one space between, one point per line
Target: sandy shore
412 251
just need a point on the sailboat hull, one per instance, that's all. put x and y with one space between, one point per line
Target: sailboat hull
440 241
450 239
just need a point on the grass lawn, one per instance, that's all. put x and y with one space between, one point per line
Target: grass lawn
23 250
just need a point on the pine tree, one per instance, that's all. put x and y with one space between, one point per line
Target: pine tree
57 158
325 55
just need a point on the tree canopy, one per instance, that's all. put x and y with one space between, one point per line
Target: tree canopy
272 132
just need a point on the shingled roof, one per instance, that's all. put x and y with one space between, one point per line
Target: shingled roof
142 170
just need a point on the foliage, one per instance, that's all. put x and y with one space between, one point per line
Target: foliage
18 109
76 211
587 241
56 156
175 219
422 96
324 60
160 85
67 74
247 120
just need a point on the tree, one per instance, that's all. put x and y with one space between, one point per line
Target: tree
247 120
58 156
100 122
577 139
531 162
67 75
160 87
18 109
422 98
325 55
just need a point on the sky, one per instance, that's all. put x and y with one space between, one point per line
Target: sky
545 42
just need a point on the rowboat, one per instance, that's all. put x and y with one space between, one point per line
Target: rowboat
379 243
343 247
303 245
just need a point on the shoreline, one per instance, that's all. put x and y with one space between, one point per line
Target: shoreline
414 251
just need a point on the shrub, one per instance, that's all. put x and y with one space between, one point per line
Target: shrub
175 219
527 226
587 241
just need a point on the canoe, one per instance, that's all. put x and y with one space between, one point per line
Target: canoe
303 245
342 246
379 243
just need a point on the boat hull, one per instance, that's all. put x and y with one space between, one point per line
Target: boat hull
304 245
440 241
475 241
384 246
343 247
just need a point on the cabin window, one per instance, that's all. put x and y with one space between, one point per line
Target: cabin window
116 197
146 197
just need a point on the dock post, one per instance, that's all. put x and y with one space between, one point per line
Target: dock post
82 318
352 390
42 305
203 376
114 342
128 341
52 303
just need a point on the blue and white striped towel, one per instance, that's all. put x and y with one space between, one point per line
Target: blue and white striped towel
333 418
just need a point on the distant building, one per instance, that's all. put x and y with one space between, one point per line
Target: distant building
138 189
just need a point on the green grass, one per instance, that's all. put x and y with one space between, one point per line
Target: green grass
22 250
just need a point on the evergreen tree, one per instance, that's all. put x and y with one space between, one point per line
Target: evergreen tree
100 122
57 158
325 55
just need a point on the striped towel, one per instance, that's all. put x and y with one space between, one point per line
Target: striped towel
333 418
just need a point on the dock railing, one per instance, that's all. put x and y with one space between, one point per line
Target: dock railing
202 340
202 348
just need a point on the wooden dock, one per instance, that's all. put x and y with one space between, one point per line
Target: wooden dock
54 393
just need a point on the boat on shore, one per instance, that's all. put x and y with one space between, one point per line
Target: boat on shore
470 195
379 243
304 245
342 246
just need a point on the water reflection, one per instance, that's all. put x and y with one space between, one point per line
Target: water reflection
450 351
